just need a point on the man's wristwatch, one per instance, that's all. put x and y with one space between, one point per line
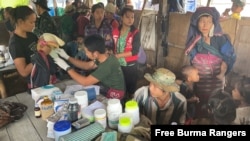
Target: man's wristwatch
68 68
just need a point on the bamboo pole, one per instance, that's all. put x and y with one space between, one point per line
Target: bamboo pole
143 7
208 3
55 7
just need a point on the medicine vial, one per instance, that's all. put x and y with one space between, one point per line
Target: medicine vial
37 111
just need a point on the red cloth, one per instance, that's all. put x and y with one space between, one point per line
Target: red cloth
114 23
82 21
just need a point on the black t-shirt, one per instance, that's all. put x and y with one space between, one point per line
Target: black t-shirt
23 47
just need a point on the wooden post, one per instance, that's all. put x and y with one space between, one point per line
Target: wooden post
159 51
208 3
55 7
144 4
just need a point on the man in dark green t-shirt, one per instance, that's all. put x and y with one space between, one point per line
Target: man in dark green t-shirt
107 69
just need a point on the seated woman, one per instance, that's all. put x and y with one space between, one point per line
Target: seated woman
44 69
107 68
160 101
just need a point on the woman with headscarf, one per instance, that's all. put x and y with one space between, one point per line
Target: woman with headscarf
210 51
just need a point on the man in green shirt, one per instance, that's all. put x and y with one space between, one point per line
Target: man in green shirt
107 69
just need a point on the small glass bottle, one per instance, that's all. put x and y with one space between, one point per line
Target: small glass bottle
47 108
37 111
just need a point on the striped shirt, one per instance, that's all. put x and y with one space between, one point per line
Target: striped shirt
173 111
104 30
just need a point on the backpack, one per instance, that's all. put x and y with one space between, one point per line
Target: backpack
10 112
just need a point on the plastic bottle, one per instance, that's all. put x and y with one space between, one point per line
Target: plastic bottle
73 110
125 123
114 110
47 108
82 98
100 117
132 108
37 111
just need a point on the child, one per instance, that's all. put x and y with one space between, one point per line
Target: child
241 94
221 108
161 101
44 69
75 49
223 69
189 76
236 9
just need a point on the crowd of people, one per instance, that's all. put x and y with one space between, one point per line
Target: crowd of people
100 45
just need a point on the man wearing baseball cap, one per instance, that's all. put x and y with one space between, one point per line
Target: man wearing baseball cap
45 23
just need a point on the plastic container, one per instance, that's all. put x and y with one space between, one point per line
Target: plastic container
132 108
61 128
114 110
82 98
125 123
100 117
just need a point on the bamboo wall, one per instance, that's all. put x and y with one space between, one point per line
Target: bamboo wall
238 31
